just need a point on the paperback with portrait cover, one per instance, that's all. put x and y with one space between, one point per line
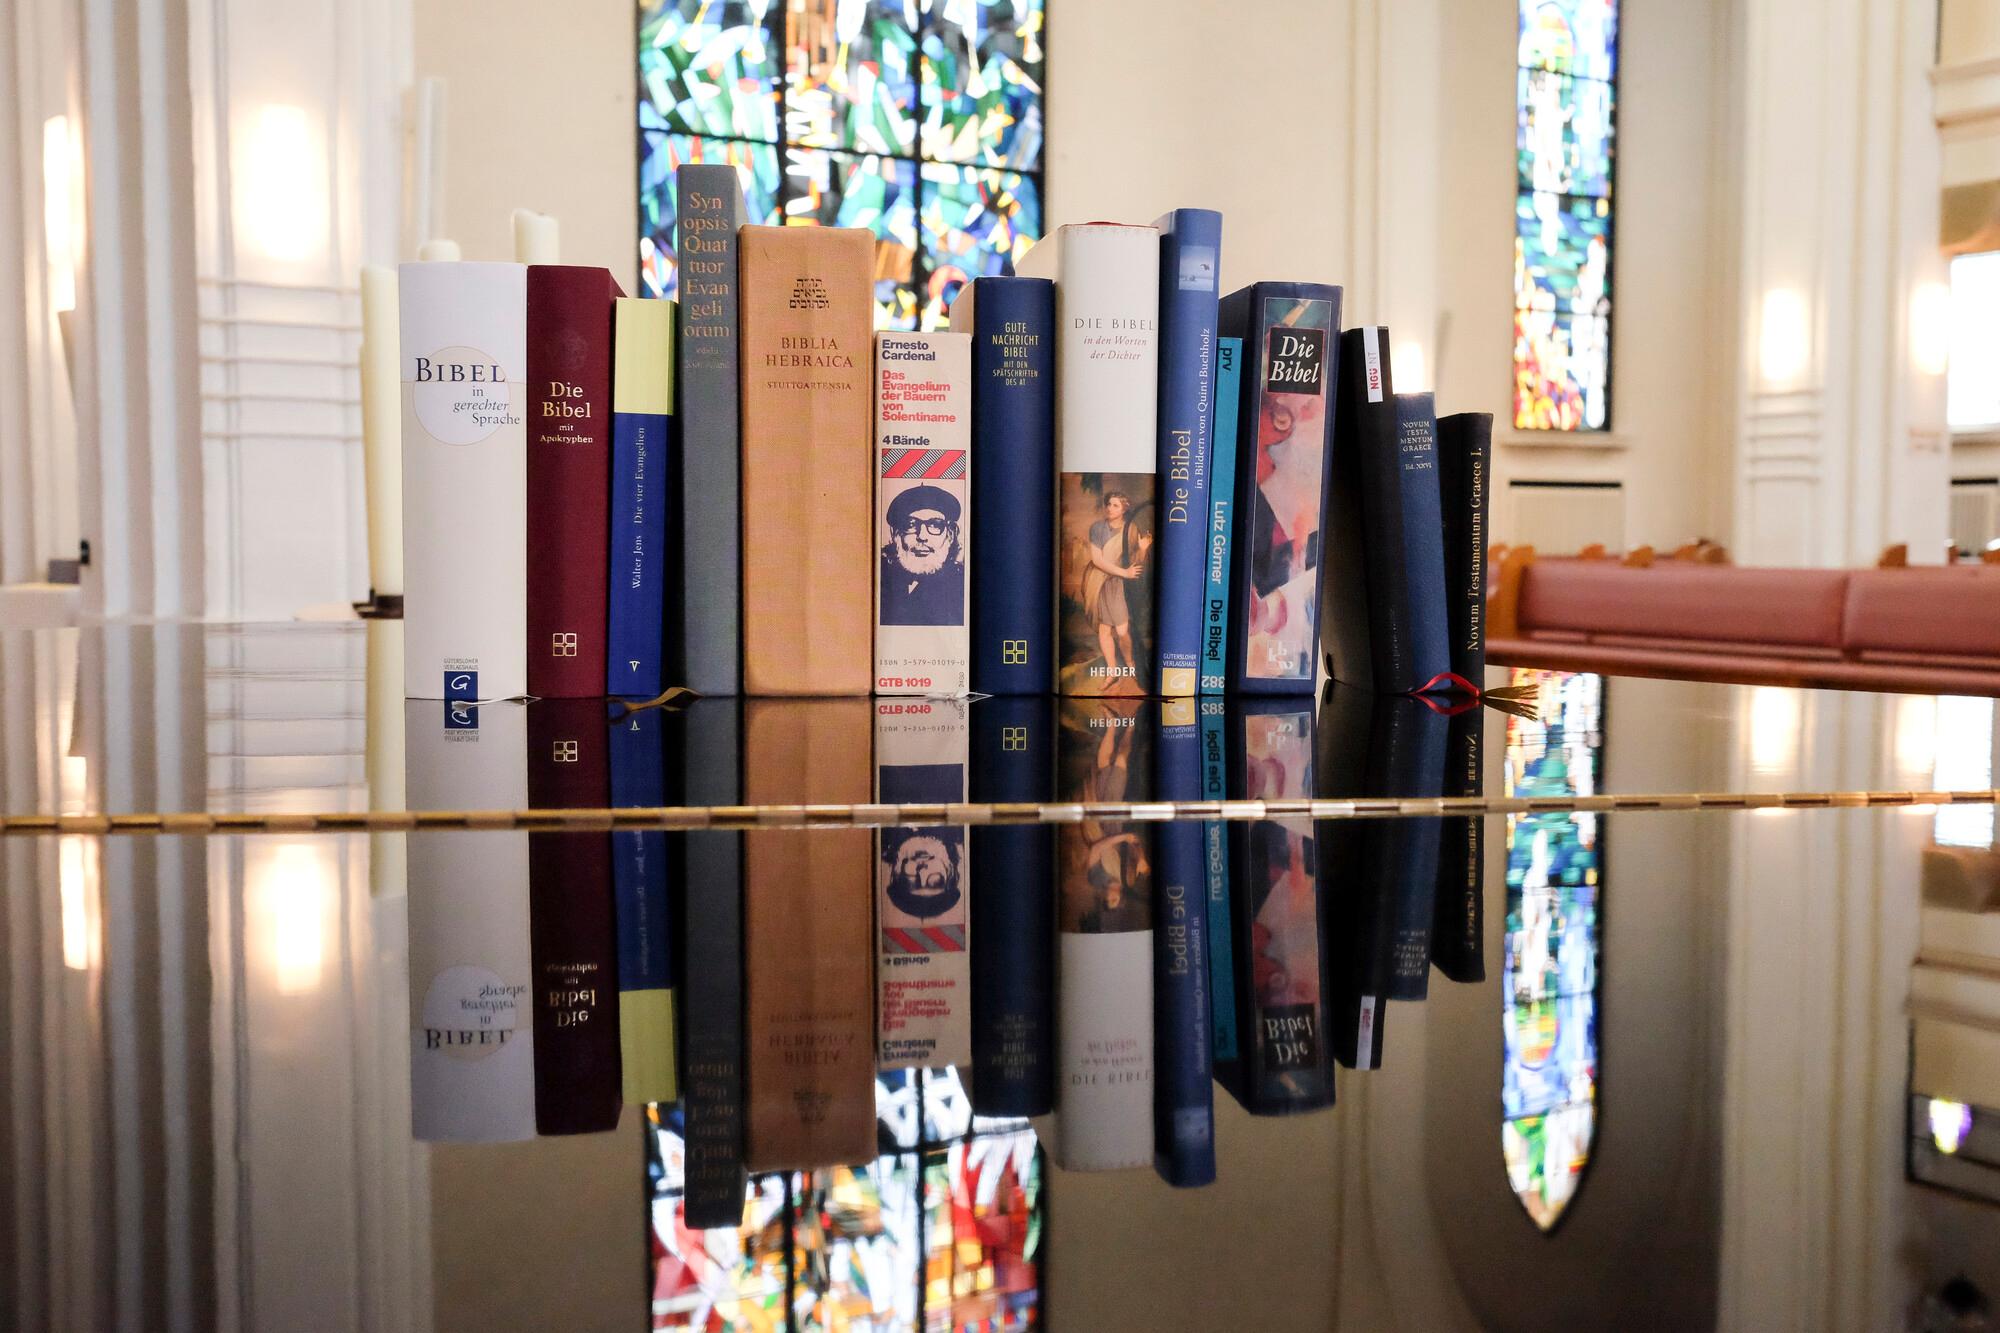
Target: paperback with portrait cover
923 452
1107 279
923 892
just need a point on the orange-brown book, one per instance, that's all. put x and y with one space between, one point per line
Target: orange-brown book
809 939
808 494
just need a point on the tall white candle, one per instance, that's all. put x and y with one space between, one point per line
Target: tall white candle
382 429
535 238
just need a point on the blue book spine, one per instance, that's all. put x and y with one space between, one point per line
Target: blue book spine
1183 1088
1221 500
639 864
1013 914
1215 873
1284 442
1190 261
640 445
1421 569
1012 323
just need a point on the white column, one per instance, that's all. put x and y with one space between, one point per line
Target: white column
1840 440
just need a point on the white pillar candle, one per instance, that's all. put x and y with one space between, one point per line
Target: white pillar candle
535 238
382 429
439 251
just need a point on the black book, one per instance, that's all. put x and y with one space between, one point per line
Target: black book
1013 914
1464 454
572 924
1281 1065
706 741
1407 752
1458 922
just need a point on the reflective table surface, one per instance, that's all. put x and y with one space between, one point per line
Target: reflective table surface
1557 1067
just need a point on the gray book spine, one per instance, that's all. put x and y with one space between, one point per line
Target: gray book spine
707 627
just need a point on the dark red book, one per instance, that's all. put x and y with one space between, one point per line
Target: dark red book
569 477
572 924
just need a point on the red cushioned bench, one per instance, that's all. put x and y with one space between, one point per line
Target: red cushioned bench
1923 629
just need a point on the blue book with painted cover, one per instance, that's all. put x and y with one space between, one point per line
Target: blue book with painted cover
641 879
1215 870
1014 912
1284 440
642 404
1221 515
1190 262
1183 1086
1013 326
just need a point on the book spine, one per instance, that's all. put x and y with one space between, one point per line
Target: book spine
1107 362
641 882
572 925
1458 930
1221 516
1215 867
707 631
1417 577
808 502
1283 1066
1012 324
1183 1096
1190 261
1411 747
472 1058
1013 915
465 480
1104 981
809 982
1284 439
569 462
706 740
923 891
923 453
1361 636
641 466
1465 453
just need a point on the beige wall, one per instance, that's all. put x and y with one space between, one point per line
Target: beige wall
539 113
1673 348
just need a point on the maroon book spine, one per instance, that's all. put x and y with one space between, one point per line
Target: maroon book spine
572 924
569 477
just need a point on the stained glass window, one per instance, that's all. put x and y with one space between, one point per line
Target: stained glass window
920 120
1549 995
1565 153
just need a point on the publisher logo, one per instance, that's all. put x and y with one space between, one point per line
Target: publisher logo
1013 738
562 644
1297 361
565 752
461 685
1014 652
460 717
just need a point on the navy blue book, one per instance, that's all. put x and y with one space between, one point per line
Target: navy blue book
1183 1069
1012 322
1355 918
1465 456
641 880
1284 440
1190 264
1215 853
1282 1064
705 748
1013 914
1408 748
642 404
1385 578
1458 921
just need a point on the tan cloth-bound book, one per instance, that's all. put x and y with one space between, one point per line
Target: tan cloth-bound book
809 946
806 307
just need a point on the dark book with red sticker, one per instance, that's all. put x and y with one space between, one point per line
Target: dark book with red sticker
572 924
569 477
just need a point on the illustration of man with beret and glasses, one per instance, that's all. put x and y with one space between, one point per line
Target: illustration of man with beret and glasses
923 563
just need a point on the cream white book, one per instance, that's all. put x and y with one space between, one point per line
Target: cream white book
923 890
1107 278
923 513
1104 1051
472 1060
465 501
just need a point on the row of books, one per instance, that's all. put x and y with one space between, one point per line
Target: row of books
1104 973
1107 479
